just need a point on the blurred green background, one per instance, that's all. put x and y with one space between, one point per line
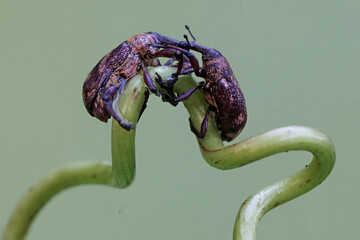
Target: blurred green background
296 61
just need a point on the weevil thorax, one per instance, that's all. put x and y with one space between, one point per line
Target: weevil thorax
213 65
142 44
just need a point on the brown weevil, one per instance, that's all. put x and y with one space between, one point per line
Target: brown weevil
221 89
111 73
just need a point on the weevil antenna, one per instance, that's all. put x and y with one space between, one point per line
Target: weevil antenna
187 39
188 29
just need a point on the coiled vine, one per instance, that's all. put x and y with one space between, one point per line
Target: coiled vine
121 172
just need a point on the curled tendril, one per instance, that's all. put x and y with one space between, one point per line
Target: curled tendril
122 171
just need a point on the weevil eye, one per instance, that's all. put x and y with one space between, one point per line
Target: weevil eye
106 98
205 59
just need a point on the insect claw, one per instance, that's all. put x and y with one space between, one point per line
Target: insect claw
158 78
127 127
160 81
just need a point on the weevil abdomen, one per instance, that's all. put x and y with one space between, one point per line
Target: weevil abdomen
229 106
98 78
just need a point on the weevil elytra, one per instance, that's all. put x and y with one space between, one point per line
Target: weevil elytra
111 73
221 89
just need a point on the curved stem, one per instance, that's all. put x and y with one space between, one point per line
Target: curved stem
123 147
275 141
39 194
122 171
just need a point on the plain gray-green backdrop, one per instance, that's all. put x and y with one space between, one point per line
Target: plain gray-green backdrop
298 63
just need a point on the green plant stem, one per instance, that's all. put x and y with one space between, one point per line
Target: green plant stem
292 138
39 194
123 151
284 139
122 171
276 141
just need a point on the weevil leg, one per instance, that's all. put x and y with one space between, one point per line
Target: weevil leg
108 99
186 63
186 68
149 82
169 95
194 63
170 61
204 125
172 53
167 85
187 71
159 80
146 93
192 59
188 93
121 85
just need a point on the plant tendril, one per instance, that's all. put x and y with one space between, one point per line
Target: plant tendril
122 171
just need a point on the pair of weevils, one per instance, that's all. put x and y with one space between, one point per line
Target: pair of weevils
221 89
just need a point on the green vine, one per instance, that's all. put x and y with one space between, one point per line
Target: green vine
122 171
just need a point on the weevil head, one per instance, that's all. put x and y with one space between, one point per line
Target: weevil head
142 44
210 55
163 40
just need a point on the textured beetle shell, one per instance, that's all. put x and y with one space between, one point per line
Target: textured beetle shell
120 64
223 93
